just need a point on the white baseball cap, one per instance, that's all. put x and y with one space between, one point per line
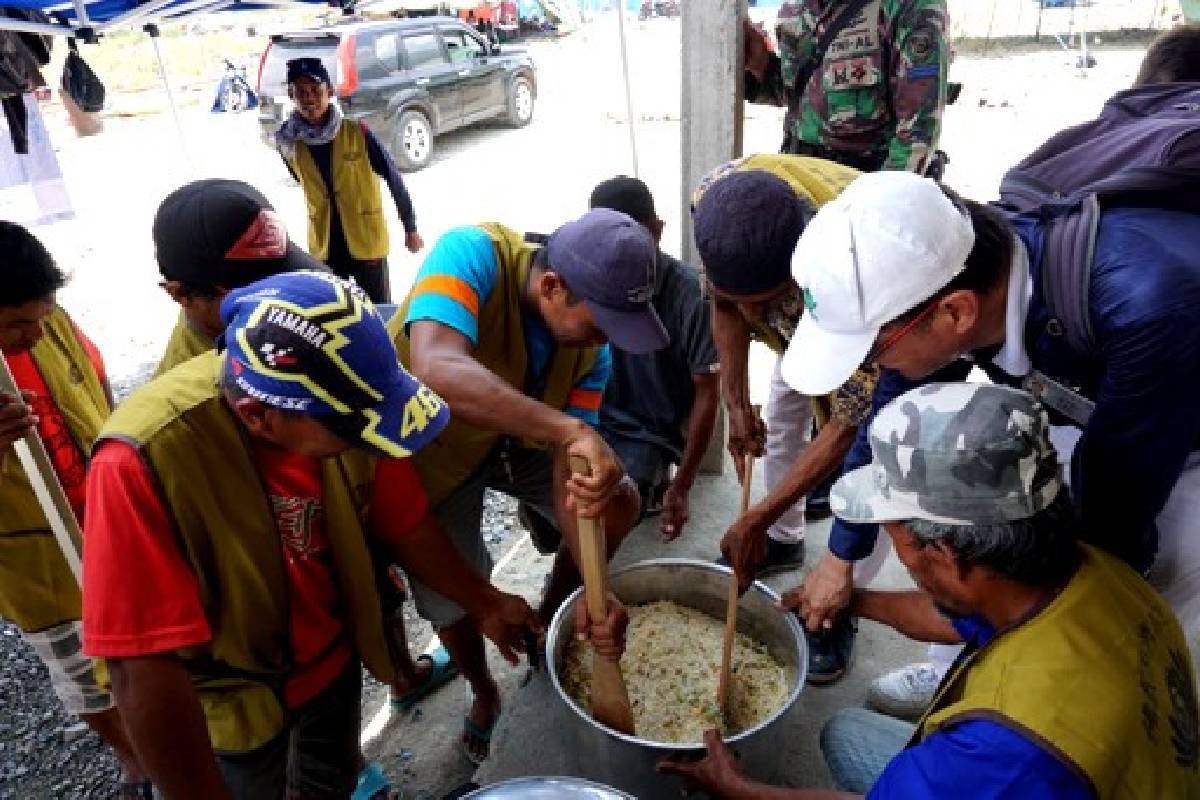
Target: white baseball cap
890 241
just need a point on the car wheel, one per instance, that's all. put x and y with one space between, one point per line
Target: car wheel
520 102
414 141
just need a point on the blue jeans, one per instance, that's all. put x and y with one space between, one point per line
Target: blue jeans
858 744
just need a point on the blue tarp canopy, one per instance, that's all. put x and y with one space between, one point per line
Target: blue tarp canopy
74 16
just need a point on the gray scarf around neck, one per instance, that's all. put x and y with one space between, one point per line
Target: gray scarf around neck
297 129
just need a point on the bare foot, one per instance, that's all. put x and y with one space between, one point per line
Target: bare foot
402 687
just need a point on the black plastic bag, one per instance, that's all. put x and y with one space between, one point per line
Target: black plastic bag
18 67
80 82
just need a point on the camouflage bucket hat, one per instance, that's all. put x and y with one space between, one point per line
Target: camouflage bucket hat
958 453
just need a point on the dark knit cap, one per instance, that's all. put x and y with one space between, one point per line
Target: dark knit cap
747 224
628 195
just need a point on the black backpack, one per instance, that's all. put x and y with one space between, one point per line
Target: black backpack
80 82
1143 149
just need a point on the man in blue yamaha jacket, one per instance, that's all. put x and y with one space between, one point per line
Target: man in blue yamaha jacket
948 285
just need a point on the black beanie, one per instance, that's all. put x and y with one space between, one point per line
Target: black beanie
747 224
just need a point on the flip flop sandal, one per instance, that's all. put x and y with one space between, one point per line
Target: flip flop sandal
373 784
473 731
444 670
130 790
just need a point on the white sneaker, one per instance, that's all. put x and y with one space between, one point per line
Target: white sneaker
904 693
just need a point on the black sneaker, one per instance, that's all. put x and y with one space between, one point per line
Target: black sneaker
829 651
816 504
781 557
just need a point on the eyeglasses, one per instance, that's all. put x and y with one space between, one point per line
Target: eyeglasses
882 346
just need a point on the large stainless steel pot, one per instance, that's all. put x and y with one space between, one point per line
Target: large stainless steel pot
547 789
627 762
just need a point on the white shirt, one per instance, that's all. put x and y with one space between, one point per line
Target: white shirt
1013 357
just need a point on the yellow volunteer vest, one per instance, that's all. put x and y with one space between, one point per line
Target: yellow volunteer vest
226 530
185 344
814 179
355 190
454 456
1102 676
37 589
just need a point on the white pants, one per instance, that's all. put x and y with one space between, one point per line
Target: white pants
788 417
1176 571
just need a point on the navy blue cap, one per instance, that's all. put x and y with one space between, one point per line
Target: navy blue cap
747 225
308 68
608 259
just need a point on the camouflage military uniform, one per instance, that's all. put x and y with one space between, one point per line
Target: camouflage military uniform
876 100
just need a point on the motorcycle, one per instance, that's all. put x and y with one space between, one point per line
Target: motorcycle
233 90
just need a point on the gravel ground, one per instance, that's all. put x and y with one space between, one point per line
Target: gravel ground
44 752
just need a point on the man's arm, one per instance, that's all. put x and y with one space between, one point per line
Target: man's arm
700 427
428 556
743 543
16 419
911 613
166 726
763 77
753 790
442 358
826 452
385 167
920 60
720 777
701 422
732 337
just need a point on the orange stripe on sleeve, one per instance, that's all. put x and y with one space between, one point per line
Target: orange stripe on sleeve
449 286
587 399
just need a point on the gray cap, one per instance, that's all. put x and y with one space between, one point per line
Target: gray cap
958 453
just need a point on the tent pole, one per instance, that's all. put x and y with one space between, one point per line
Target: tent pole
81 14
151 30
628 95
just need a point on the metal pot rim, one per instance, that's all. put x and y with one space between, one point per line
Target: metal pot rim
672 747
549 781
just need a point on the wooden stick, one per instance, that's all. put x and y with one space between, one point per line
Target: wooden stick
610 698
46 486
731 606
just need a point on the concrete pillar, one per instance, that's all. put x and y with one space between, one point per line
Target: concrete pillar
711 122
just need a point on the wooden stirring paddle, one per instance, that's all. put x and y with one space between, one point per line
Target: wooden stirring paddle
731 607
610 699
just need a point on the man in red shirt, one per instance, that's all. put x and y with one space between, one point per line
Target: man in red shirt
65 399
229 582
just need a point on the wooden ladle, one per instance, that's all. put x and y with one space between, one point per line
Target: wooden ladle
610 699
731 608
